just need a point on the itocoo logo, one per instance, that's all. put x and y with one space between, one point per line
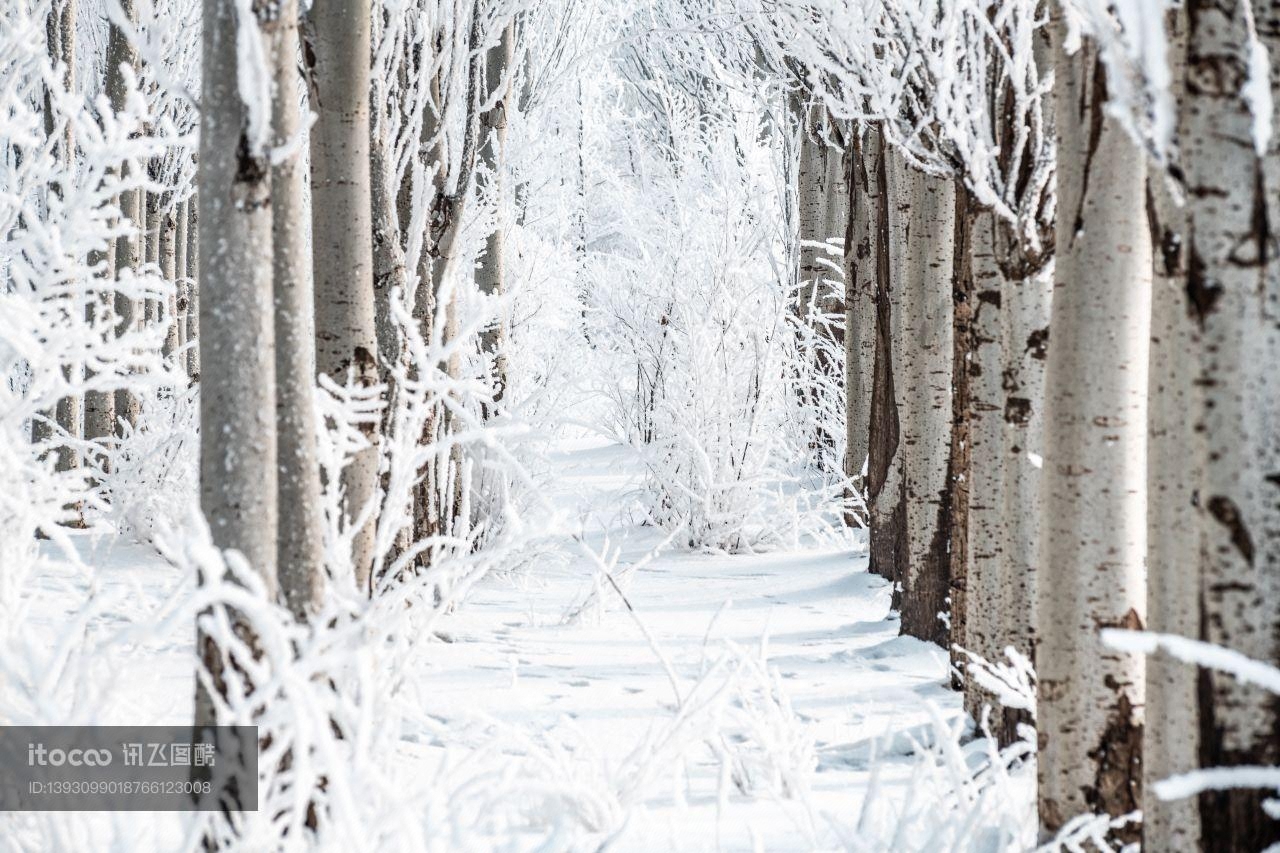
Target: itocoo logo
39 756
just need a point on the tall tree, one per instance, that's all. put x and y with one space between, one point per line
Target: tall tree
1233 284
885 489
922 223
1095 456
822 211
237 399
1174 461
193 286
169 269
300 547
862 246
491 275
982 569
60 30
337 54
128 248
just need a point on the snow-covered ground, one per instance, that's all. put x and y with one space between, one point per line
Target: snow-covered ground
729 702
542 653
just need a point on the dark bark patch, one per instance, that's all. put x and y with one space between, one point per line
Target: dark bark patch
1038 344
1017 411
1117 788
1202 294
1226 513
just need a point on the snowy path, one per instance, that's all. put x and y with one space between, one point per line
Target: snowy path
519 671
850 678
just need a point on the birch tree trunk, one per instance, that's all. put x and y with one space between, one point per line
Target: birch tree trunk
338 45
128 247
968 273
491 275
822 214
922 232
1232 285
1175 455
237 400
1024 332
169 268
193 287
1095 457
862 246
61 33
151 204
885 491
985 569
181 282
300 546
439 496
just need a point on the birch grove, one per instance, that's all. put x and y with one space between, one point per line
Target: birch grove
353 334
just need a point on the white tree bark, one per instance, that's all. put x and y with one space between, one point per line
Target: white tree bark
300 548
193 286
984 570
1175 454
1095 457
169 269
151 206
61 33
1024 333
491 275
1233 286
128 247
181 282
922 222
822 198
338 45
237 401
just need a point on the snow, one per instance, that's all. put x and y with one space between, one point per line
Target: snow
544 656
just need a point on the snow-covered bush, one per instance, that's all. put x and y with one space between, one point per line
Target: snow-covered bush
676 313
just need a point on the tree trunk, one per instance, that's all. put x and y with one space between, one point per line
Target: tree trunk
1232 289
438 497
238 472
61 33
300 547
1175 456
151 205
823 214
338 45
922 231
181 282
128 247
169 269
491 275
861 262
969 262
984 568
884 462
193 287
1095 457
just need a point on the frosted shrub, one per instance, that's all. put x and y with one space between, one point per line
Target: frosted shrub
154 477
694 326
